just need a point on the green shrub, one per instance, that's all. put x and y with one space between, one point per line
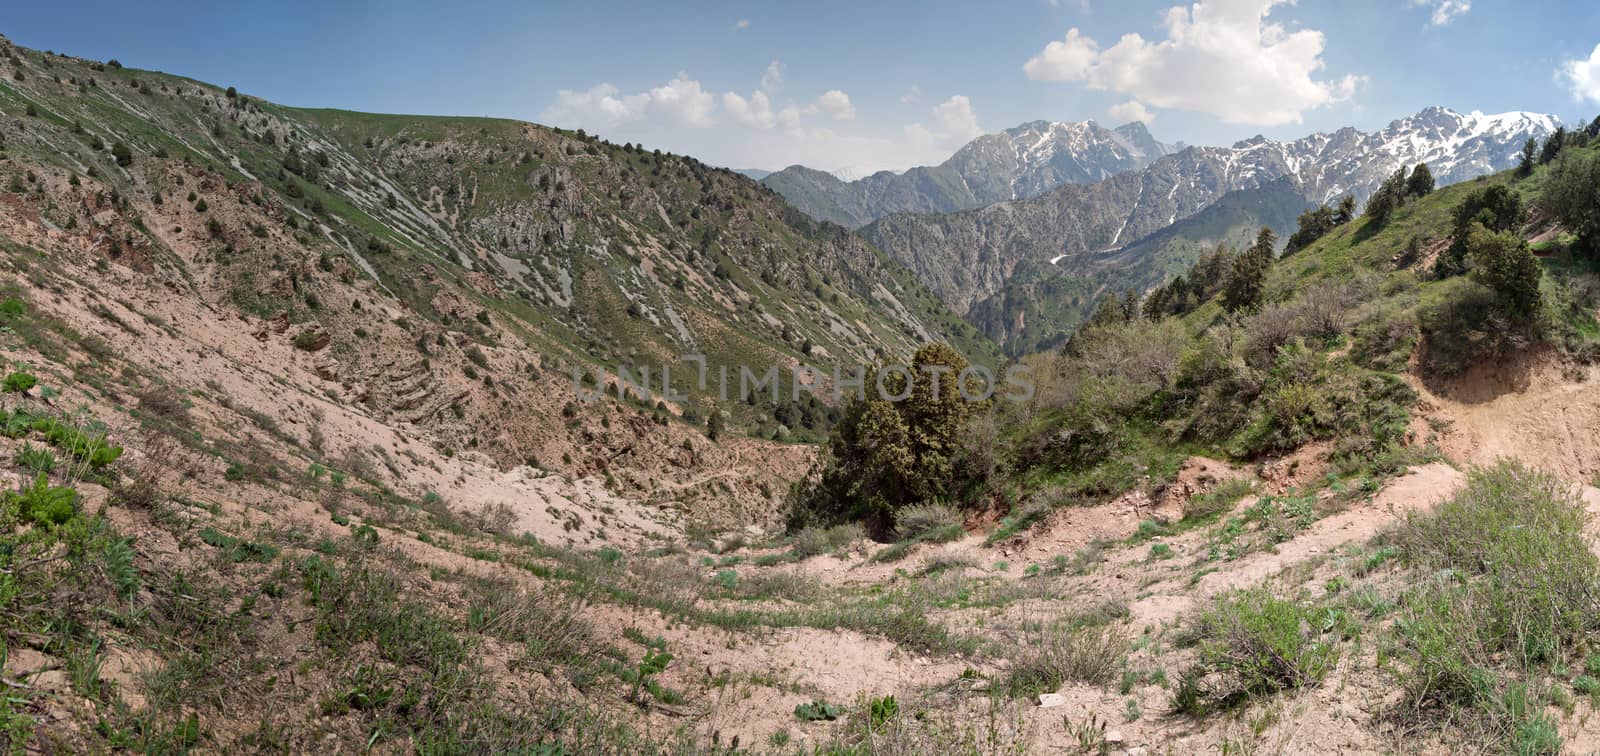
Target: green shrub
1091 653
35 458
1253 643
1385 337
1572 194
928 522
307 340
1504 264
19 383
813 540
817 711
43 503
1310 397
1510 582
1219 500
885 455
1466 326
1522 580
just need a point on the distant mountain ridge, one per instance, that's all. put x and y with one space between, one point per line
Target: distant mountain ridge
968 257
1018 163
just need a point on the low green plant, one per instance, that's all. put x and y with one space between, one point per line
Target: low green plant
654 663
1218 500
1254 643
19 382
35 458
817 711
1507 591
881 710
1089 653
43 503
237 549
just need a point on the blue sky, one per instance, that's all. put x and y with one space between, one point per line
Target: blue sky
864 85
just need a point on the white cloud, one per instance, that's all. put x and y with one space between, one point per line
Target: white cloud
772 79
1132 110
912 95
1444 11
762 129
954 124
756 111
1063 60
1220 57
741 24
1583 76
680 101
836 105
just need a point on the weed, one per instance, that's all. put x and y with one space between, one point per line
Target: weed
1091 654
1253 643
817 711
881 710
35 458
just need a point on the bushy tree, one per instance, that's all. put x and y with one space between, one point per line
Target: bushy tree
886 454
1158 304
1210 272
1552 146
1248 279
1496 208
1391 194
1346 211
715 425
1530 153
1572 195
1505 265
1109 311
1421 181
123 155
1311 226
1130 305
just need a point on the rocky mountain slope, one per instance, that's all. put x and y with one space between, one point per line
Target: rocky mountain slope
438 269
1041 302
968 257
1017 163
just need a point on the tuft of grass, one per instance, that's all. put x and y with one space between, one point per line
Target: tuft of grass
1253 643
928 522
1218 501
35 458
812 541
1092 654
1509 581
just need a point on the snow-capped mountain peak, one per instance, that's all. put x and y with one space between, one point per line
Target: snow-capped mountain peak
1035 157
1455 146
